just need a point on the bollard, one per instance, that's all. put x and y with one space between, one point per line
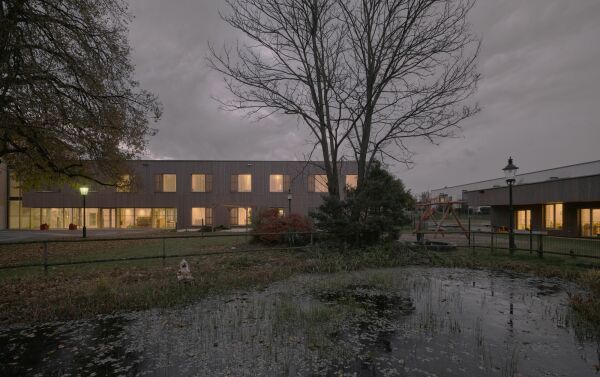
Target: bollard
311 240
45 256
540 246
164 252
492 241
530 240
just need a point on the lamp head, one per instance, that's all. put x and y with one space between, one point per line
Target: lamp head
510 171
84 190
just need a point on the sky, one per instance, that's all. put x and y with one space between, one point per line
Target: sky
539 92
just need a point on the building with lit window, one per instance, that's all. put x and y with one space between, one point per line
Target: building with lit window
558 206
168 194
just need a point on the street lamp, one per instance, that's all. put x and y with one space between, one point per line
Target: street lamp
510 171
289 202
84 191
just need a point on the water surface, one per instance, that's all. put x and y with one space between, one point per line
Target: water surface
390 322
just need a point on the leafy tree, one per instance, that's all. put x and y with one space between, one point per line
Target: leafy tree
370 214
69 106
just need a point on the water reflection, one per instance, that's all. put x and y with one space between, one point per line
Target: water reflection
393 322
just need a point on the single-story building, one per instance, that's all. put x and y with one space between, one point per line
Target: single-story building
562 207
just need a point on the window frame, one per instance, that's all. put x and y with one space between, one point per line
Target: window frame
312 183
159 182
285 182
208 216
527 219
555 225
208 182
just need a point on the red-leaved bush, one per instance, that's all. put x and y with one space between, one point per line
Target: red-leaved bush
273 228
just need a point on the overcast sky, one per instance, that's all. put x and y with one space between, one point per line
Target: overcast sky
539 93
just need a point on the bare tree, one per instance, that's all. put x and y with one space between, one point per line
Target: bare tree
69 106
293 63
364 75
412 63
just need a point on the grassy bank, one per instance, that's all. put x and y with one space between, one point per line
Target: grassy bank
69 292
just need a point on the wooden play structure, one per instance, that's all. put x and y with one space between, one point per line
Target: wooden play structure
428 210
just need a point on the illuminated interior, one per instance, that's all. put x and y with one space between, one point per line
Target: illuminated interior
276 183
102 218
524 219
199 183
553 216
320 183
589 220
352 181
202 216
245 183
240 216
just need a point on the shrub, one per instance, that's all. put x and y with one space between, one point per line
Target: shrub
372 213
271 228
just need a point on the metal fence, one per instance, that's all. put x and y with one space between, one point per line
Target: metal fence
531 242
65 252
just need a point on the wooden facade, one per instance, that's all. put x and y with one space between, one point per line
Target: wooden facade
220 198
574 194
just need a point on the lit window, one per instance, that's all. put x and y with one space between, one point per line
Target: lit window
279 183
352 181
524 220
241 183
165 183
553 214
201 183
317 183
201 216
280 211
589 219
240 216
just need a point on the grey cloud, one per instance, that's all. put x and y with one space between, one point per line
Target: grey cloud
539 92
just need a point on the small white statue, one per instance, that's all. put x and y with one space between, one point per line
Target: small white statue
184 274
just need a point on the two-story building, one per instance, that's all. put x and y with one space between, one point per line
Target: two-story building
170 194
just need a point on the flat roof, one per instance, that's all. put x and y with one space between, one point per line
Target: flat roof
518 175
536 183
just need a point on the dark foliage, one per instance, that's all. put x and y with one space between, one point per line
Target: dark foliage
374 213
69 105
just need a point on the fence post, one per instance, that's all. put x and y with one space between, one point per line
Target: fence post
469 226
46 256
164 253
530 240
540 245
473 243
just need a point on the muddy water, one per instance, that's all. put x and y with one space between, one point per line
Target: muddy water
392 322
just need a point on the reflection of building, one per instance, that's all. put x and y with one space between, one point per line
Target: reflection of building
173 194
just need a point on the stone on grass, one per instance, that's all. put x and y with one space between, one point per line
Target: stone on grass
184 274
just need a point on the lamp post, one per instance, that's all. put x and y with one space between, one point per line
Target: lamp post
510 171
84 191
289 202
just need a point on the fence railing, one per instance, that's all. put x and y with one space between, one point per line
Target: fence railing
532 242
77 251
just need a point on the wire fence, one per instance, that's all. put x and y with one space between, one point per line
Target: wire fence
64 252
532 242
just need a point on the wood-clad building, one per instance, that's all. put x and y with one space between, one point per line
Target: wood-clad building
564 207
175 194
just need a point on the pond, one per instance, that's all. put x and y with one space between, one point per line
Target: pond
390 322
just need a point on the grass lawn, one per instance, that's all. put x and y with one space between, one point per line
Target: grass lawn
82 290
